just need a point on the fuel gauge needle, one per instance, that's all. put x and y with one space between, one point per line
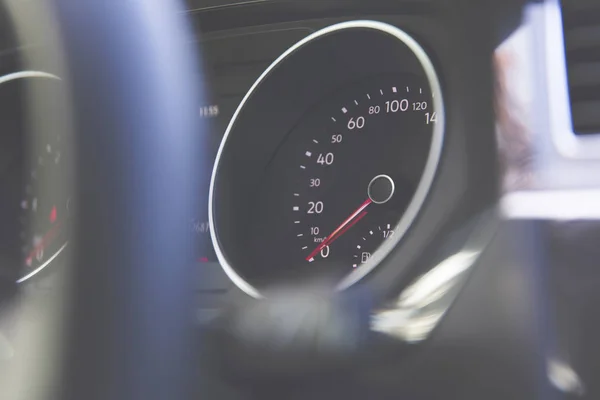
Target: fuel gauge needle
348 223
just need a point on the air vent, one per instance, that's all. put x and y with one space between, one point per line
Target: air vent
581 24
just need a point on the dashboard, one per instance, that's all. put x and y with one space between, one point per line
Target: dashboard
315 125
395 149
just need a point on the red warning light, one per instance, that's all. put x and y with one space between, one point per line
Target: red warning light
53 214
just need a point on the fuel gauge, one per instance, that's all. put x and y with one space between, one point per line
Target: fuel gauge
371 239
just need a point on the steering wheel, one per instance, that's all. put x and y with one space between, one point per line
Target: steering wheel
122 327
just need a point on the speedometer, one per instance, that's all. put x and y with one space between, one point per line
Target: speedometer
353 164
347 171
329 158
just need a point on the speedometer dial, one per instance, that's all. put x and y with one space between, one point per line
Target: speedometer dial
356 159
325 146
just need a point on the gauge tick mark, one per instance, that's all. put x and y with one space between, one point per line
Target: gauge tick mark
308 154
344 110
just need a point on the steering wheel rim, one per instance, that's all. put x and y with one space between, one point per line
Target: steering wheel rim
132 94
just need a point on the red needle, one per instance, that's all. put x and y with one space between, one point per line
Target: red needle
340 230
47 238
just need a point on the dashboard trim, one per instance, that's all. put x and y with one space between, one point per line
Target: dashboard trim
567 143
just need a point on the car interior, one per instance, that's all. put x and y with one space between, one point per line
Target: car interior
299 199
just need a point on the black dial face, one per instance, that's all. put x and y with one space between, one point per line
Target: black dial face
351 166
